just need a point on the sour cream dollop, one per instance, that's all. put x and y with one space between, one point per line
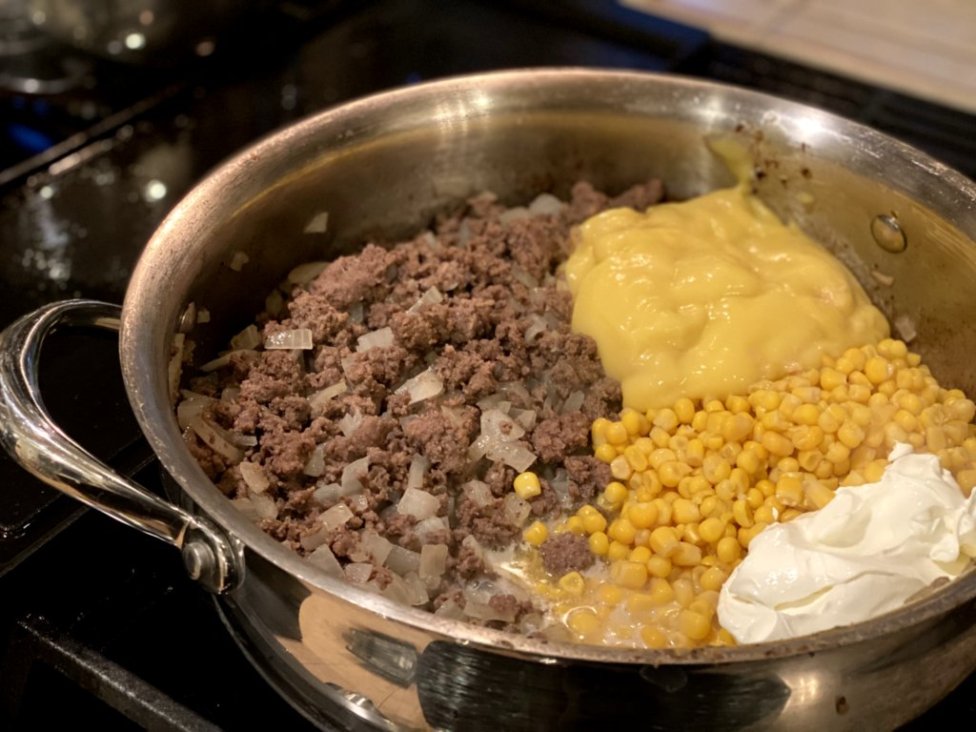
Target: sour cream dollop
868 551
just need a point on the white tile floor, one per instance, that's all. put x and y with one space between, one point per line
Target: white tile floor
926 48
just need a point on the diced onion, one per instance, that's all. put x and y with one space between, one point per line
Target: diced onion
431 296
417 589
450 610
353 474
516 510
546 204
215 441
417 471
473 546
573 402
238 260
192 408
536 328
498 426
358 502
476 606
377 547
315 465
358 572
402 560
382 338
314 539
356 314
247 339
327 494
433 561
478 493
905 327
514 454
525 418
318 224
246 507
517 213
336 516
323 558
429 527
264 506
287 340
223 360
203 316
319 399
524 277
350 422
424 385
305 273
419 504
254 477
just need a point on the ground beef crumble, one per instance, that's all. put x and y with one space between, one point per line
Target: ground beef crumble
475 311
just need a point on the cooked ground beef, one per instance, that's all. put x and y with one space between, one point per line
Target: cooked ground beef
475 313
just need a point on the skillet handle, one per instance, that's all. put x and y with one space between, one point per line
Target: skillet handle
33 440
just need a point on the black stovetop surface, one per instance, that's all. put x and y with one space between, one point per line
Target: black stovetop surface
98 623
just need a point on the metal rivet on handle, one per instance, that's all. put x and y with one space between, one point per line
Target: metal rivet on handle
888 233
198 559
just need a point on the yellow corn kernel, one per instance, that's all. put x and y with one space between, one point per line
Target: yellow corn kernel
789 490
598 430
572 583
527 485
728 550
622 530
817 494
742 513
639 554
630 419
653 637
686 555
711 530
664 541
694 625
666 419
684 410
617 550
877 369
746 535
715 469
620 468
660 591
536 533
850 434
583 621
616 433
671 473
575 525
642 515
765 514
594 522
685 512
615 493
632 575
713 579
684 591
605 453
659 566
599 543
777 444
663 511
636 458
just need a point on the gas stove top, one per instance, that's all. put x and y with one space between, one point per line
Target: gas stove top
99 623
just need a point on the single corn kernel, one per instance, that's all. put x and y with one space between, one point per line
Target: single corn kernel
877 369
594 522
583 621
620 468
789 490
742 513
684 592
694 625
713 579
711 530
632 575
616 433
653 637
636 458
643 515
639 554
664 541
658 566
536 533
617 551
575 525
684 410
631 420
572 583
666 419
661 591
686 555
685 512
728 550
599 543
615 493
671 473
598 430
527 485
622 530
850 434
605 453
818 494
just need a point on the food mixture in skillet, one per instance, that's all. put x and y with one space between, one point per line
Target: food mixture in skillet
425 422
